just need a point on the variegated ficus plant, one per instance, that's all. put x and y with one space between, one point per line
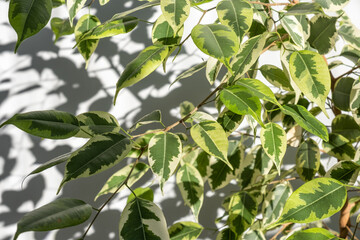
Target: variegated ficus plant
282 109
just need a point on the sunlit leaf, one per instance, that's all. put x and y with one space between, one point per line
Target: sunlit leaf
144 193
312 234
338 146
253 235
344 171
175 12
332 5
276 77
163 33
351 34
303 8
258 89
346 126
61 27
185 231
308 159
73 7
323 33
292 25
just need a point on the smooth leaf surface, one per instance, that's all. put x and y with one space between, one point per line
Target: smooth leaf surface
60 213
163 33
185 231
312 234
61 27
344 171
226 234
74 6
292 25
98 154
153 117
303 8
315 200
46 124
164 153
175 12
144 193
28 17
346 126
191 71
323 33
311 74
351 34
142 220
213 67
332 5
338 146
276 77
229 120
307 159
53 162
341 93
253 235
258 89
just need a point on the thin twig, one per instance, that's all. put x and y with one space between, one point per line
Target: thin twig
353 235
111 197
348 72
280 231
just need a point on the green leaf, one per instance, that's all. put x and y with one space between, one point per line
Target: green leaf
213 67
306 120
112 27
311 74
103 2
175 12
211 137
98 154
60 213
307 159
238 100
229 120
57 3
46 124
153 117
144 64
340 147
226 234
243 209
258 89
253 235
247 56
163 33
164 153
351 53
323 33
312 234
142 220
96 122
87 47
292 25
216 40
144 193
276 77
351 34
341 93
346 126
332 5
119 178
236 14
191 71
141 7
273 140
185 231
61 27
191 186
28 17
74 6
303 8
53 162
315 200
274 203
344 171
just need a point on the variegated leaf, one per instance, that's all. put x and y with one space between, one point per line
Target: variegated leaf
238 100
28 17
61 27
53 162
57 3
304 24
242 212
303 8
73 7
357 156
338 146
307 159
247 168
220 174
274 203
262 166
351 34
323 33
226 234
253 235
213 67
103 2
87 47
341 93
346 126
236 14
46 124
258 89
96 122
229 120
351 53
185 231
315 200
98 154
110 28
164 153
276 77
211 137
273 140
144 193
191 71
144 64
191 186
247 56
142 220
292 25
344 171
311 74
175 12
306 120
313 234
118 178
332 5
141 142
216 40
163 33
60 213
153 117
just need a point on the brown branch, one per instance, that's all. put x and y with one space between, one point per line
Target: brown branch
280 231
348 72
111 197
